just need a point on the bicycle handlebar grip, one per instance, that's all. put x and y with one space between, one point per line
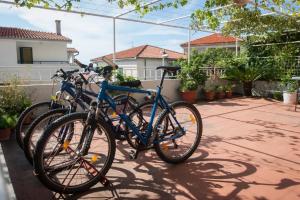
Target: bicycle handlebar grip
83 78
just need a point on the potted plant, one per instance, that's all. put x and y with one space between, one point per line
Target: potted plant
7 122
290 95
191 76
220 94
188 90
290 88
209 92
239 70
228 90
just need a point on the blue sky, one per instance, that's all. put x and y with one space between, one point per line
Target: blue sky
92 36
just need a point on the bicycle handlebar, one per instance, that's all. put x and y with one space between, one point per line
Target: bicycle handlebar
83 78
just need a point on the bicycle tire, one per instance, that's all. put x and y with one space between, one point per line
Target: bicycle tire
39 162
21 119
160 152
28 141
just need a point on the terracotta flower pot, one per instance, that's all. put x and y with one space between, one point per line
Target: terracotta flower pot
220 95
209 95
189 96
228 94
5 134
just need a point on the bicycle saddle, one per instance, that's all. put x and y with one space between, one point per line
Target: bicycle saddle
169 68
135 83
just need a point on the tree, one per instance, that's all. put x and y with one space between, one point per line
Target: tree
237 17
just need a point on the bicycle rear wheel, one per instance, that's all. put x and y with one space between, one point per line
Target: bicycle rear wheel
59 164
37 128
178 141
27 116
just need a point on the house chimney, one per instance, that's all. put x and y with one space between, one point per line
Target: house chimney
58 27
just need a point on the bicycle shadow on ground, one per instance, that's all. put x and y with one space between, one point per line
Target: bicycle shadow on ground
151 178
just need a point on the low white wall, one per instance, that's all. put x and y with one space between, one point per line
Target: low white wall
266 88
32 72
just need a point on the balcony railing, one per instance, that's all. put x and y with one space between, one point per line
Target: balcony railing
31 72
46 62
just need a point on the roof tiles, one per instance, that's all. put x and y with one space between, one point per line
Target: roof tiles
144 51
18 33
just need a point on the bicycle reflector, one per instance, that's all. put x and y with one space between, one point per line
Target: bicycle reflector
94 158
66 144
193 119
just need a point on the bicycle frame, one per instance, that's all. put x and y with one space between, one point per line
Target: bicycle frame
69 88
103 96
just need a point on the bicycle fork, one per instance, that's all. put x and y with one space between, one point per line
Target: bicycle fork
88 131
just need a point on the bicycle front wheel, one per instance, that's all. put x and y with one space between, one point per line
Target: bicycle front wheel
59 162
178 141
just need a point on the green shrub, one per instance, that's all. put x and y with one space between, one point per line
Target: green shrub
7 121
188 85
228 87
13 99
209 88
238 69
287 82
219 88
121 78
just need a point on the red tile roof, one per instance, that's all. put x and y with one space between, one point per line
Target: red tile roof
215 38
144 51
72 50
18 33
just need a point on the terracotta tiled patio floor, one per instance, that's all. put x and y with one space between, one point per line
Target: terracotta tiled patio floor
249 150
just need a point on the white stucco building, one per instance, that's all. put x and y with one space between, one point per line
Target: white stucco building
215 40
141 61
33 55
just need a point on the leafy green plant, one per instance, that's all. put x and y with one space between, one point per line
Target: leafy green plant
188 85
288 84
209 88
219 88
228 87
13 99
121 78
7 121
190 72
239 70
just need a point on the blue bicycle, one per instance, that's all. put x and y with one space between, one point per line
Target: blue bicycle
86 158
71 85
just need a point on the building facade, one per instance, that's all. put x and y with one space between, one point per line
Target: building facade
215 40
141 62
32 55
